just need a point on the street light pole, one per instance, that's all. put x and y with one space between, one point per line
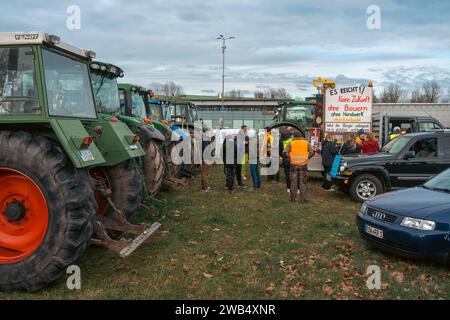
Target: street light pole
221 37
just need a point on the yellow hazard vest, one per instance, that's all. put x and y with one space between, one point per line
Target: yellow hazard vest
268 143
286 142
299 153
394 135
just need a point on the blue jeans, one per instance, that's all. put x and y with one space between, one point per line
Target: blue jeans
256 176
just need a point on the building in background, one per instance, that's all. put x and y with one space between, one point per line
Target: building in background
256 113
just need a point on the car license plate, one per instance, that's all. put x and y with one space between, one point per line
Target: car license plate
374 231
133 147
86 155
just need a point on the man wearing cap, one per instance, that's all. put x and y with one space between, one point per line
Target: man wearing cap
397 132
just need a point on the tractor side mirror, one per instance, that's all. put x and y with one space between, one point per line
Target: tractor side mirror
409 155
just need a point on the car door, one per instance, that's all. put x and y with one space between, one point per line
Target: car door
417 163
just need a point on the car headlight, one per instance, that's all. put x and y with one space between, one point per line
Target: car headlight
418 224
363 208
343 166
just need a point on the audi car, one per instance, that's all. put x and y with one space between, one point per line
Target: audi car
413 223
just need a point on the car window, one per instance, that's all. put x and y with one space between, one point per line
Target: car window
396 145
426 126
425 148
441 181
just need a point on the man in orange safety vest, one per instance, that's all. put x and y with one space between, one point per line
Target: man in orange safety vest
299 151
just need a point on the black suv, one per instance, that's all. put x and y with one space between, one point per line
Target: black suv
405 162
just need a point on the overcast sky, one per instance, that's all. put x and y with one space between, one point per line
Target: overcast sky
279 43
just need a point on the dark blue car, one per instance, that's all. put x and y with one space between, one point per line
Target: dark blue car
413 223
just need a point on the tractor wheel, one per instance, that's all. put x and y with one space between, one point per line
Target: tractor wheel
47 212
154 167
175 169
125 182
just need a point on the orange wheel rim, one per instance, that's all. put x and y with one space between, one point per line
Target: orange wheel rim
23 216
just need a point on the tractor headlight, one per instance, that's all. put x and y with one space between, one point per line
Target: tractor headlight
418 224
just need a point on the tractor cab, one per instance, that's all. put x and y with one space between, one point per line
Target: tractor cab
104 84
61 165
45 87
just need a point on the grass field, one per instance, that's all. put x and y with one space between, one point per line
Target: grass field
250 246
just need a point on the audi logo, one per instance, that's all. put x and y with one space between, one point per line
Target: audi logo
378 215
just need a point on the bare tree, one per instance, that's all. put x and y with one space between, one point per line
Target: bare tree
234 94
171 90
432 91
416 96
375 98
280 93
392 93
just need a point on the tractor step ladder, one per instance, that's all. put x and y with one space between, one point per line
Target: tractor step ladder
117 221
175 183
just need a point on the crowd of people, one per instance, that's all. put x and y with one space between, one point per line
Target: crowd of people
295 151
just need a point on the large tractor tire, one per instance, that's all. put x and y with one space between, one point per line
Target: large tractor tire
154 167
174 169
47 212
125 182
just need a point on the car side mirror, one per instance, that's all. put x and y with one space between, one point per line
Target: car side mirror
408 155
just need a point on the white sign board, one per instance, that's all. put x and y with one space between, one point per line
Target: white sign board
348 109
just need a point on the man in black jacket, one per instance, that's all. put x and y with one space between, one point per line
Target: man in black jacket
230 161
208 139
329 151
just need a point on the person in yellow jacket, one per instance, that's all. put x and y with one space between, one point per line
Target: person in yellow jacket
397 132
299 151
267 151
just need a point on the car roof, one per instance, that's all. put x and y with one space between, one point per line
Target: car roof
431 133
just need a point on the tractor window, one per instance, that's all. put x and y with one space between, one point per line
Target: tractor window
17 82
106 94
122 101
69 91
155 112
138 105
303 115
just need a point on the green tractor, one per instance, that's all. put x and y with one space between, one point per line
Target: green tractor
104 82
183 115
134 103
67 177
306 117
